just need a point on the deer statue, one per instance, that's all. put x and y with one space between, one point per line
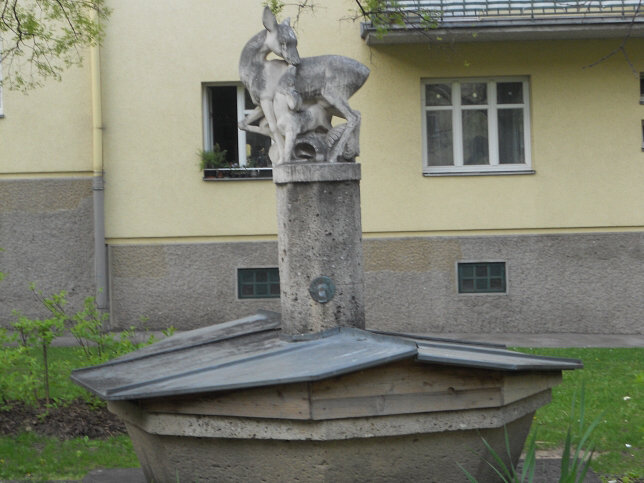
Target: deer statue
324 82
294 118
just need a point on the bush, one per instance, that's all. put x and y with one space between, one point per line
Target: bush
25 356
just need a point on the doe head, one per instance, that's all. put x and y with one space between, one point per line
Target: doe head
280 38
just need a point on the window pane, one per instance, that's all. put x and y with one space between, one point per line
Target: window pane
496 283
511 147
475 139
261 276
224 120
439 138
481 270
275 289
467 270
474 93
468 284
247 290
496 269
509 93
246 277
248 102
257 147
438 95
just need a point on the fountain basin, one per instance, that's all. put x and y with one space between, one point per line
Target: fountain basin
238 401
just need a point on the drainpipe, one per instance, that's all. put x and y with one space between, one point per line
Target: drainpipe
100 249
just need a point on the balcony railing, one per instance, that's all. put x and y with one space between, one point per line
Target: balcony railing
453 9
485 20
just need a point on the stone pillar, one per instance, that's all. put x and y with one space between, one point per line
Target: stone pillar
320 246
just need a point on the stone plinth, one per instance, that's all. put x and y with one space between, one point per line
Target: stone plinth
400 422
319 235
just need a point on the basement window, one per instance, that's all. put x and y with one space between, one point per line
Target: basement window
482 277
246 153
258 283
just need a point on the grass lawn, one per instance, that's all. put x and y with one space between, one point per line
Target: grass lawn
39 458
614 390
614 382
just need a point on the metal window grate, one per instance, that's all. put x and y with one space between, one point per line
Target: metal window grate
258 283
479 9
481 277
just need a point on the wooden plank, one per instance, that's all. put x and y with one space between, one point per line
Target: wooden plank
520 385
352 407
287 401
405 377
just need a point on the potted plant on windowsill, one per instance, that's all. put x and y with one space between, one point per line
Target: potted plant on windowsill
212 161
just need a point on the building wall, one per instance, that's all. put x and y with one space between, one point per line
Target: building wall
586 127
47 131
46 207
175 241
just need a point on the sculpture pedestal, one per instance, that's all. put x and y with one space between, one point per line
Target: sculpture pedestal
398 422
319 238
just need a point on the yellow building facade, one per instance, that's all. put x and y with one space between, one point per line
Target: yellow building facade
501 179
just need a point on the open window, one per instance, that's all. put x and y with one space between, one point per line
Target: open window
233 153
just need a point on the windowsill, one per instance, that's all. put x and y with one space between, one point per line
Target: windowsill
238 174
479 173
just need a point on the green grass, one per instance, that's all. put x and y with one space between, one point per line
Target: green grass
614 381
39 458
614 390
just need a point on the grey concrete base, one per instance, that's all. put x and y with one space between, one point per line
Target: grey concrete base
47 237
422 447
557 284
184 285
421 457
406 458
320 235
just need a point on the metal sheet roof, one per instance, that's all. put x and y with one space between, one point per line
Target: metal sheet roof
252 359
486 357
249 352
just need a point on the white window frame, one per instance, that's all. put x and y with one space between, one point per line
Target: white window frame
457 129
208 141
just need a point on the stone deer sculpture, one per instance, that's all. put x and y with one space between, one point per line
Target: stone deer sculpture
326 80
294 118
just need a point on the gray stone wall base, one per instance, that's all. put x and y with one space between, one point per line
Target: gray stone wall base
566 283
46 232
186 286
576 283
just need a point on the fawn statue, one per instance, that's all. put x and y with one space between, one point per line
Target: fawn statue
296 97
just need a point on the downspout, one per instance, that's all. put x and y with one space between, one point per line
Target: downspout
100 249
